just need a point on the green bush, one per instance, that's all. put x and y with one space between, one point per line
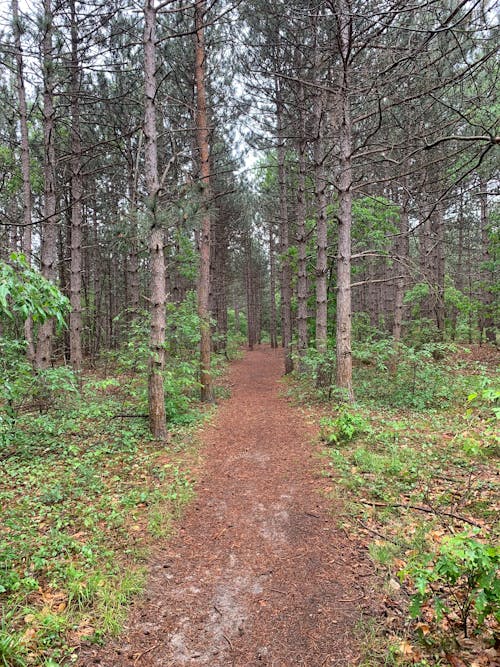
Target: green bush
344 428
462 577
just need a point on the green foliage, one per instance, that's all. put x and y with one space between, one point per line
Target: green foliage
407 376
76 484
487 399
346 427
182 360
466 571
25 293
12 649
374 220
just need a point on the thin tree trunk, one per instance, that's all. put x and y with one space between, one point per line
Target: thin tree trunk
272 291
157 417
344 314
403 252
286 290
202 138
302 339
250 286
25 164
323 374
75 321
133 259
403 256
486 319
439 269
459 278
48 252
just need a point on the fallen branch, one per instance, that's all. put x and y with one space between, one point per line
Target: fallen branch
419 508
123 416
148 650
377 534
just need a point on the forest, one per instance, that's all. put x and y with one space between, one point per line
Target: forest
249 329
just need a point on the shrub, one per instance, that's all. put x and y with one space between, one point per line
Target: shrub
461 577
344 428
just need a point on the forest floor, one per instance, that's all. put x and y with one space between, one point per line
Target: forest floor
258 572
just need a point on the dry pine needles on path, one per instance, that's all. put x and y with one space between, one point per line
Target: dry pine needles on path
258 573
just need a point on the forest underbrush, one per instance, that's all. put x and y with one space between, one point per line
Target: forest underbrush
86 493
412 470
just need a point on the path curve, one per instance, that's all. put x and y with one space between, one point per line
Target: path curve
258 574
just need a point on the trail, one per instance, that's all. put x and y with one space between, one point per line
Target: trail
258 573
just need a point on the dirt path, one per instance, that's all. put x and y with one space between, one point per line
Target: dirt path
258 574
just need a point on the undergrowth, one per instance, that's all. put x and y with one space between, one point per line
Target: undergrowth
85 492
415 463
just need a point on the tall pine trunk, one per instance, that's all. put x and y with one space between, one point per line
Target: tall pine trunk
25 165
344 307
202 138
286 288
75 321
487 323
302 338
157 418
272 290
48 253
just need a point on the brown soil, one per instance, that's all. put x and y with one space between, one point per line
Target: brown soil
258 573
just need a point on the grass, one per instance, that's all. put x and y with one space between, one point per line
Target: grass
83 494
415 461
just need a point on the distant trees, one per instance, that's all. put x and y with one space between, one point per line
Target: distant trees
369 114
374 199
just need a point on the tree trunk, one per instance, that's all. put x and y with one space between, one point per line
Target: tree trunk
272 291
302 339
48 252
439 270
133 259
486 319
25 164
250 296
286 290
202 138
403 252
157 417
323 374
75 321
344 314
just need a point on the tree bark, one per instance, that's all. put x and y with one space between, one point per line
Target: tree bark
272 291
302 338
48 252
25 165
202 138
487 321
344 307
75 321
439 269
323 375
133 259
157 417
286 290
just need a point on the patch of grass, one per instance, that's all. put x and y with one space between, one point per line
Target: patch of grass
419 469
83 496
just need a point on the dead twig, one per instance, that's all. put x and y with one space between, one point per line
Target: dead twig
148 650
228 641
377 534
418 508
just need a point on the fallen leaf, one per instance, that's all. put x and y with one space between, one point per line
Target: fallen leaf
424 628
455 661
406 649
